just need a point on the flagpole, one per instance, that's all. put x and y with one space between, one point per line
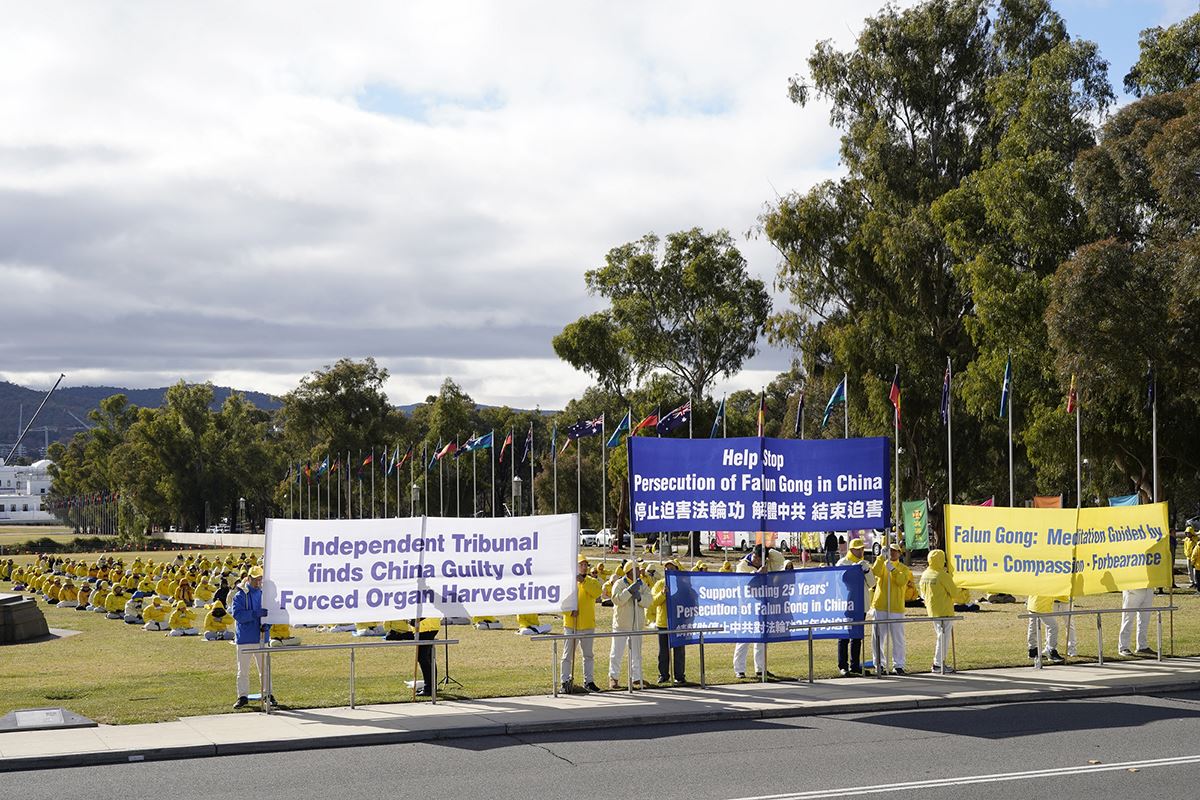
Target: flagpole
604 475
578 482
896 436
474 487
457 489
492 458
846 400
554 464
949 432
1154 435
328 487
512 476
291 513
441 476
1079 473
531 493
360 489
412 481
1011 392
425 463
372 481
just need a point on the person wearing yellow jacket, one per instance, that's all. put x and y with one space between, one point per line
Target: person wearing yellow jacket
281 636
938 591
155 615
671 660
1045 604
582 620
204 593
84 598
850 650
217 622
182 621
530 625
628 594
887 602
114 606
100 597
68 596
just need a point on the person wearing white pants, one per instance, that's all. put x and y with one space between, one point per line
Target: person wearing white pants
1042 604
938 591
627 599
582 620
1135 598
754 561
887 602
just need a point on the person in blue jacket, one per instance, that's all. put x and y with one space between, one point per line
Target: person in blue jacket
249 632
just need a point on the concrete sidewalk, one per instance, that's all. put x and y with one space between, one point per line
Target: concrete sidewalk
240 733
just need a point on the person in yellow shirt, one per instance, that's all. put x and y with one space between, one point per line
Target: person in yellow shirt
1194 562
530 625
182 621
217 622
114 604
1189 546
726 566
84 597
699 566
281 636
850 650
887 602
938 591
671 660
155 615
204 593
581 620
100 598
68 596
133 610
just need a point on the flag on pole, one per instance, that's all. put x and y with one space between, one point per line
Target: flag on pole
622 427
650 420
407 455
1072 397
717 422
528 444
554 444
991 501
321 470
507 441
392 461
838 396
675 419
479 443
585 428
762 411
799 415
434 460
894 394
449 449
1006 388
945 407
369 460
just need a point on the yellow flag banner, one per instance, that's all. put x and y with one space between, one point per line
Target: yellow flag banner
1058 552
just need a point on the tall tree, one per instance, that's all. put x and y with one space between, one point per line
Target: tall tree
689 308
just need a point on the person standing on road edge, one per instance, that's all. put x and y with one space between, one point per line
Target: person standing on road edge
938 591
892 577
671 660
850 650
582 620
250 631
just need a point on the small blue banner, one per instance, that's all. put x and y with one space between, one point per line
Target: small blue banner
759 484
760 607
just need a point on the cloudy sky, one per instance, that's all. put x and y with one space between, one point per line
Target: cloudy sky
243 193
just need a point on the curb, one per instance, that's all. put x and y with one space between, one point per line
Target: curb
107 757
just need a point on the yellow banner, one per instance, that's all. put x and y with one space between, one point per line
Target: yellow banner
1058 552
1123 547
1014 550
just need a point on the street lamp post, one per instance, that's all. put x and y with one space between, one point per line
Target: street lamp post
516 493
412 505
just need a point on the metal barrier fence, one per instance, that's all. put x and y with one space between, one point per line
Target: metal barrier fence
264 673
563 637
1099 612
875 623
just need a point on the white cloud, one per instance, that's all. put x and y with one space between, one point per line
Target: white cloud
193 191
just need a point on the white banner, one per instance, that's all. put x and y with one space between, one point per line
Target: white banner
373 570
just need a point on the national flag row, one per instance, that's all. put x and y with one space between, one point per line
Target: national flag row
81 500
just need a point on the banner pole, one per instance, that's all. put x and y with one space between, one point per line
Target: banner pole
896 477
603 475
846 398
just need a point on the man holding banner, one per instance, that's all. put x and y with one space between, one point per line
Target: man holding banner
582 620
887 602
1135 598
754 562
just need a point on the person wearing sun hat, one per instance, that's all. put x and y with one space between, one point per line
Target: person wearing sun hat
850 650
887 602
582 620
248 633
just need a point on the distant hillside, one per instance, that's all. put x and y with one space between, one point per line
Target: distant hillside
67 410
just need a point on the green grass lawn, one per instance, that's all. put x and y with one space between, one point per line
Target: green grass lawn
117 673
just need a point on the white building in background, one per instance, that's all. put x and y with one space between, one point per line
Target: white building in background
23 491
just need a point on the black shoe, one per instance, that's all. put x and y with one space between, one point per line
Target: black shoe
425 693
1055 658
591 686
1146 651
271 700
899 671
567 687
242 702
845 673
1033 652
770 675
663 680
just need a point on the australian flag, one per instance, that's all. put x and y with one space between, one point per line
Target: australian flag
585 428
675 419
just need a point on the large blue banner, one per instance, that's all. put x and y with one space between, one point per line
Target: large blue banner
758 484
759 607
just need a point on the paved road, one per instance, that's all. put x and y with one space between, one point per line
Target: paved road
1128 747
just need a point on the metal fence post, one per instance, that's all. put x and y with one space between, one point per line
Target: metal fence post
554 667
1099 638
1159 636
810 654
702 660
352 677
1037 641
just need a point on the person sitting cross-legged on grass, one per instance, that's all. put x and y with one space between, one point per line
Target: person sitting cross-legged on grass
182 621
217 622
155 615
